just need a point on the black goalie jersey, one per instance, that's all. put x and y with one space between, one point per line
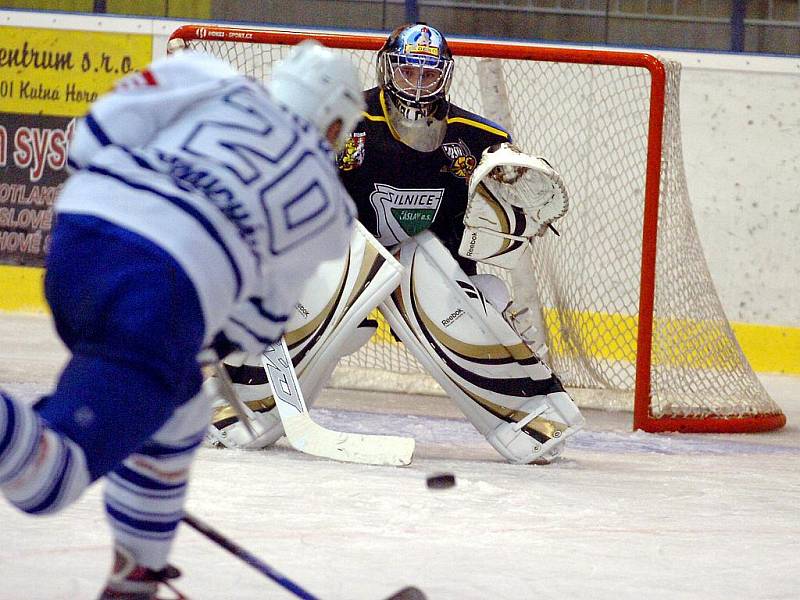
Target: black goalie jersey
400 191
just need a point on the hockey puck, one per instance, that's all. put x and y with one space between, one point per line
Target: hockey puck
408 593
441 481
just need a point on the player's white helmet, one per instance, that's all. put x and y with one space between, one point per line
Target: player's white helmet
320 86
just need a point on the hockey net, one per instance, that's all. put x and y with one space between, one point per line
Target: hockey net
633 318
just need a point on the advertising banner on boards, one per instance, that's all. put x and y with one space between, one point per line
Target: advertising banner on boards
48 77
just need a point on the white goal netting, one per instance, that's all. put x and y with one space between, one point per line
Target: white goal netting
591 120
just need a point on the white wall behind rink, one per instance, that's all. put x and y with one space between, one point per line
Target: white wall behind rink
740 119
741 141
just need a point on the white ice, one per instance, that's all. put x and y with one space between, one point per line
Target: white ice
623 515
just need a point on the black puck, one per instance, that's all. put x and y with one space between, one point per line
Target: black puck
441 481
408 593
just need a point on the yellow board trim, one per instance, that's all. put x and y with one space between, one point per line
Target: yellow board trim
187 9
22 289
768 348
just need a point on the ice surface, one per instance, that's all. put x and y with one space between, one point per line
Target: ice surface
623 515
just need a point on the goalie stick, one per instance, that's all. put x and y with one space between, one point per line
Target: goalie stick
311 438
407 593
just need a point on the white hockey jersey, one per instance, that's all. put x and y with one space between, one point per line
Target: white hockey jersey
245 196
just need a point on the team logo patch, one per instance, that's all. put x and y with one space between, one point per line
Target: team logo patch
462 161
353 154
403 213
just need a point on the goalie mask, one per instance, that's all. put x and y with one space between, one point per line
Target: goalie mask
415 69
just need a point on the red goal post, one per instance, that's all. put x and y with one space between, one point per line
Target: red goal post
632 315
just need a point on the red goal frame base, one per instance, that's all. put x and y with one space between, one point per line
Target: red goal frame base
750 424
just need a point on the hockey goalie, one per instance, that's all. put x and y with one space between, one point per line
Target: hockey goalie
449 196
466 331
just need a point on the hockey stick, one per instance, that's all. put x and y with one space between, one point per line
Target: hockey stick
307 436
250 559
408 593
225 389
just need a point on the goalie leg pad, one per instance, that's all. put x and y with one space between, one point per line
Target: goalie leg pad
502 387
329 323
251 385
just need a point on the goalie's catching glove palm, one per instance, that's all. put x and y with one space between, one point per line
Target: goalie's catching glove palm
512 198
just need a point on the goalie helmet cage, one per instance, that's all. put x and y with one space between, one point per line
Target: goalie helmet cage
626 295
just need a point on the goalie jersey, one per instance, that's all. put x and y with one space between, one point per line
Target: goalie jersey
242 194
400 191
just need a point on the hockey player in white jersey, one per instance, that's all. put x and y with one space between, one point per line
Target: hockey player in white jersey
197 207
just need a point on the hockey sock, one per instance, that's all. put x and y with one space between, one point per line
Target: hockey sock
41 471
144 499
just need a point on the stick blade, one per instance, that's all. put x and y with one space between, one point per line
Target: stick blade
311 438
376 450
307 436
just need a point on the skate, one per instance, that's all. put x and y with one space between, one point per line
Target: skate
129 581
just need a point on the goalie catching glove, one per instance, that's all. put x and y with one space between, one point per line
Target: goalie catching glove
512 198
